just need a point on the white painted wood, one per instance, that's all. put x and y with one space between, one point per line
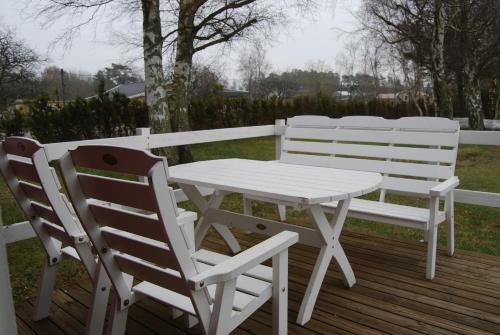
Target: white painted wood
280 293
450 227
213 135
358 164
282 183
480 137
7 314
277 180
477 198
404 150
432 239
164 264
18 232
49 215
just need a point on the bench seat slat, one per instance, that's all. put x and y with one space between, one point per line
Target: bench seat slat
383 209
46 213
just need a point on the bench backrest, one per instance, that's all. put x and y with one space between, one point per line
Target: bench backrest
413 153
134 227
35 186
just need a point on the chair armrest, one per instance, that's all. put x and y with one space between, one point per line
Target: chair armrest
244 261
444 187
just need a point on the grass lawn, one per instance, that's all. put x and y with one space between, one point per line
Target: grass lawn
477 228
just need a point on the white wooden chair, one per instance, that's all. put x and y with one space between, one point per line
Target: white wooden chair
416 155
220 291
35 187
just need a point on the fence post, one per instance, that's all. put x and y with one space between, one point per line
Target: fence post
143 132
279 131
7 313
280 137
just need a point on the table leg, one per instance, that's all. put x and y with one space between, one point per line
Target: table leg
331 248
203 226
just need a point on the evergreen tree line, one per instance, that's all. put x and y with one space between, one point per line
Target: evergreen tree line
99 117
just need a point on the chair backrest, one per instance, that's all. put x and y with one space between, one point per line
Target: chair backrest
413 153
135 230
35 186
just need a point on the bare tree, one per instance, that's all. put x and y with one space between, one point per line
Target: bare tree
184 27
253 68
17 65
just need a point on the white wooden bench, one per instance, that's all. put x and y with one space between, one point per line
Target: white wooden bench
35 186
416 155
149 246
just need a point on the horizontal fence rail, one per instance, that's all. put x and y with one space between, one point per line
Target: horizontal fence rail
145 141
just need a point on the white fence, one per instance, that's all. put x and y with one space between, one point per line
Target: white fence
145 140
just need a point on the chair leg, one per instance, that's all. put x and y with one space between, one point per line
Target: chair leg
431 253
100 295
280 293
46 286
450 227
118 319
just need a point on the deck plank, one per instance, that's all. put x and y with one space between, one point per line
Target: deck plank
391 296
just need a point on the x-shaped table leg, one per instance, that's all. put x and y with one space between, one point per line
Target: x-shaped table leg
330 233
202 227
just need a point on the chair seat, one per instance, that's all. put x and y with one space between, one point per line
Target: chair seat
361 208
254 284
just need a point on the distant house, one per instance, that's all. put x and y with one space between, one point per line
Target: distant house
22 106
342 95
403 96
137 91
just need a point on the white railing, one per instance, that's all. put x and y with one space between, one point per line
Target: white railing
145 140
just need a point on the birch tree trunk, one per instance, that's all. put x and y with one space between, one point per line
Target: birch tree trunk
179 87
155 86
441 91
470 82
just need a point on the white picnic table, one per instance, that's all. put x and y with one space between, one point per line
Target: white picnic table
301 186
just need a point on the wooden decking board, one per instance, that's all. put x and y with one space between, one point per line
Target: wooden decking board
465 255
390 297
429 300
399 254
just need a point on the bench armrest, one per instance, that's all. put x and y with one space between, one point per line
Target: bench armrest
244 261
444 187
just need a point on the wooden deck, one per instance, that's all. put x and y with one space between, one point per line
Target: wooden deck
391 295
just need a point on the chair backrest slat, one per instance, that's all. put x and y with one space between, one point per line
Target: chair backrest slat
135 223
411 148
24 170
148 250
34 192
46 213
168 278
149 246
25 167
123 192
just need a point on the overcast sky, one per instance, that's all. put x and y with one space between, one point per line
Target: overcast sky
307 40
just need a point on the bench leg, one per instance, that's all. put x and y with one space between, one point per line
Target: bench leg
280 293
450 226
282 212
42 305
431 253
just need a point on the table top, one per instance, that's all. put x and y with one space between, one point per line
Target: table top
298 184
